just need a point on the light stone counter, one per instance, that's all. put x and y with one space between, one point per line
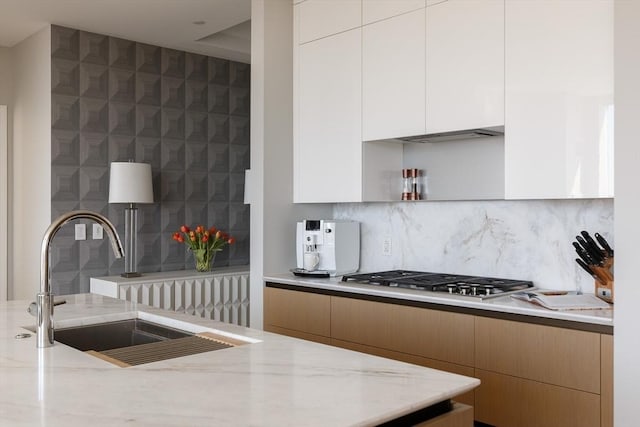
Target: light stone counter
504 304
275 381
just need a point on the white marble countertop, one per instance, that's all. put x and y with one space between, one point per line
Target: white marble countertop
275 381
504 304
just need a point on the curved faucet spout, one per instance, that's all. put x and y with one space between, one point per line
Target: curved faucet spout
44 298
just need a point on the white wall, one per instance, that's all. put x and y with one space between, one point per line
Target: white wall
5 104
30 181
5 76
273 216
627 211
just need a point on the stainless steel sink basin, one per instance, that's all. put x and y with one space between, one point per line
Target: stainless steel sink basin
135 341
108 336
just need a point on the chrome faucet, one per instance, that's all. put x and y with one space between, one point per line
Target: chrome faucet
44 299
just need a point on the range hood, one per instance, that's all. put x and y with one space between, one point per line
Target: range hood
454 135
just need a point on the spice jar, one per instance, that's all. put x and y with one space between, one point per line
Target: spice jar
410 187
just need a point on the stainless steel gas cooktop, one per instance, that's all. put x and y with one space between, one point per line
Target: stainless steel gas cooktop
469 286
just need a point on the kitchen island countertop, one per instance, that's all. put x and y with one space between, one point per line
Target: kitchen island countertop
503 304
275 380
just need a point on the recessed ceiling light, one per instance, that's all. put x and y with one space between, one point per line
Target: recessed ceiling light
199 22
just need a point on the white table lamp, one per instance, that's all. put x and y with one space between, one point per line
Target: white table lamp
130 183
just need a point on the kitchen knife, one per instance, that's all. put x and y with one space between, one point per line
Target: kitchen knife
583 254
594 254
604 244
593 244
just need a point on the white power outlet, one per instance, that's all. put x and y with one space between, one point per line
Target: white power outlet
386 246
81 231
97 231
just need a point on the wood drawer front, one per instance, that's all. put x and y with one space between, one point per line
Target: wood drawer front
547 354
434 334
466 398
298 334
606 386
297 311
506 401
459 416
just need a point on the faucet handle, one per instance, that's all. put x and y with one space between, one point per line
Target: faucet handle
33 307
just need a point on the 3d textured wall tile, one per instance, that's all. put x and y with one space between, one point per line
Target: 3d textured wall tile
185 114
94 48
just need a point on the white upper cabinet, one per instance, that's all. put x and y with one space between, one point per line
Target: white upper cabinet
559 99
376 10
322 18
327 120
465 65
393 85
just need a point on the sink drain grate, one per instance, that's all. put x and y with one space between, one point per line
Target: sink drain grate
162 350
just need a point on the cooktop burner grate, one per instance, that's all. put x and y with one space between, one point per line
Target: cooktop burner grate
473 286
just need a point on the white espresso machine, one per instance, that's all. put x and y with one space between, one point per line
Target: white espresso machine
327 247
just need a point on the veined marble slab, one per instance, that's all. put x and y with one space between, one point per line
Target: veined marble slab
504 304
523 239
275 381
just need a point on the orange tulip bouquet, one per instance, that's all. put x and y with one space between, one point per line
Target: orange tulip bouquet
204 244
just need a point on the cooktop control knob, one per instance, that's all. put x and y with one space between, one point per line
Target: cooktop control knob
464 289
452 288
488 289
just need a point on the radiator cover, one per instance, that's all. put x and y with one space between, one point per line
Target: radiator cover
219 295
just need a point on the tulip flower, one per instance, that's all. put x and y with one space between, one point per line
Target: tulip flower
205 243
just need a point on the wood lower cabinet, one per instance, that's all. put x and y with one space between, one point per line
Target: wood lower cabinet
531 375
540 353
297 314
507 401
438 335
606 381
460 416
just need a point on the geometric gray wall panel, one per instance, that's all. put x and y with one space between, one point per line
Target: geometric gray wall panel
185 114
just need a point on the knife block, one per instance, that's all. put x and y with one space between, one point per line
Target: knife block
604 286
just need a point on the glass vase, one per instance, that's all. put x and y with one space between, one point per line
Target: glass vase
204 259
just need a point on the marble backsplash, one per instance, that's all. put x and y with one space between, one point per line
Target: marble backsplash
511 239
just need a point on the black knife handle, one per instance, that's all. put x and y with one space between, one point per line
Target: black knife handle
583 254
595 255
593 244
604 244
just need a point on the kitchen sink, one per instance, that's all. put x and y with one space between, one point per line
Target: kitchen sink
137 341
124 333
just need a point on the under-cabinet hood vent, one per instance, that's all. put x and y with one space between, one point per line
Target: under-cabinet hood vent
454 135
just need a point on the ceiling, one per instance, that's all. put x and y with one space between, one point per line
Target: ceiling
212 27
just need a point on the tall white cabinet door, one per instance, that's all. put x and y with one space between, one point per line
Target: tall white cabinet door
376 10
393 62
322 18
465 65
328 142
559 99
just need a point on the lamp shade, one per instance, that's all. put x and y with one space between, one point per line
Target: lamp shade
130 183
